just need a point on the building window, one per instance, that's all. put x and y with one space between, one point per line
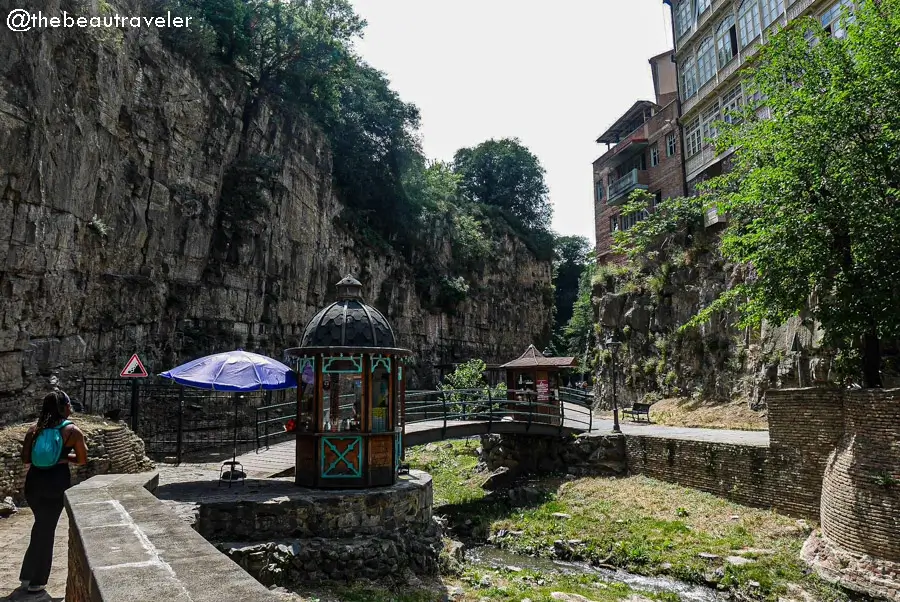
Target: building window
706 61
702 5
709 119
771 10
689 79
613 225
654 154
726 40
731 103
831 19
599 190
657 199
693 137
670 144
630 220
683 18
748 21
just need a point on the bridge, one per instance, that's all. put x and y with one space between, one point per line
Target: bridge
432 416
454 414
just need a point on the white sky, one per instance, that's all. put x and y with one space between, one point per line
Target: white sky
554 74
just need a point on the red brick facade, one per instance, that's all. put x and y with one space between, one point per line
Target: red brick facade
664 180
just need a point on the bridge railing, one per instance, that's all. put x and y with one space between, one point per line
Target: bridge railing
526 406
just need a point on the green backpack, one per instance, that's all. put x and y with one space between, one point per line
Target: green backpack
48 446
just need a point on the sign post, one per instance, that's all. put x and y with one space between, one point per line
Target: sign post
134 369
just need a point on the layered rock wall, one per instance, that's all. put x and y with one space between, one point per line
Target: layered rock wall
115 157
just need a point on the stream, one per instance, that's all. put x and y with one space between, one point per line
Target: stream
493 557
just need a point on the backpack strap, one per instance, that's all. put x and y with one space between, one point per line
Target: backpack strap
63 424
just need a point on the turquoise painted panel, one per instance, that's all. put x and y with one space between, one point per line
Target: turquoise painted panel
350 457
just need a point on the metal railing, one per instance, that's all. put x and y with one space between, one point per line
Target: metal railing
570 410
178 422
625 184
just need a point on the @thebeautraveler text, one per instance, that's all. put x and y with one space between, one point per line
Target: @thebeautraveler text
22 19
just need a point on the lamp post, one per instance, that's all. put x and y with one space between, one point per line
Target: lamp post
613 344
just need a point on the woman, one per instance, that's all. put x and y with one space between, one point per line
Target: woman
44 487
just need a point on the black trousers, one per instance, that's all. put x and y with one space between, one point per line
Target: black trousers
44 489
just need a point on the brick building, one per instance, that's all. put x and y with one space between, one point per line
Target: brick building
643 152
713 41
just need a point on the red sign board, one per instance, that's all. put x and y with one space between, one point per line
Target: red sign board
134 368
543 390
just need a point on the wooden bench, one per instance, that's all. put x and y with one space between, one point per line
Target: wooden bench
637 410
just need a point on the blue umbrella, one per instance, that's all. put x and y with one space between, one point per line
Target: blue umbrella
234 371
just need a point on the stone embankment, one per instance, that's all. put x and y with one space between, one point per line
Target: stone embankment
285 535
112 448
508 456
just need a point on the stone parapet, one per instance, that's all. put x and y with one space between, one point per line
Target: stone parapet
124 545
276 510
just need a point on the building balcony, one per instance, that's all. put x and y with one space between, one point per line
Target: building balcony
636 179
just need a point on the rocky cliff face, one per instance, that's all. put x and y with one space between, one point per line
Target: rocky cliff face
715 361
121 230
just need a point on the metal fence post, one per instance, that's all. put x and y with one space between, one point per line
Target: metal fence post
490 411
179 436
444 404
530 410
562 416
135 393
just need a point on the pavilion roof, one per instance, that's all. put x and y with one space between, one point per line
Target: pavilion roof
532 358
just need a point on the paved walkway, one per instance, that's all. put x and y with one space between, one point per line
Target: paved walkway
15 532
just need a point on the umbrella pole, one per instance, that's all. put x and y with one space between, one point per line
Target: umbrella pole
234 455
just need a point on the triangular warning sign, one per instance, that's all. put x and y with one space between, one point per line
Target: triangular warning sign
134 368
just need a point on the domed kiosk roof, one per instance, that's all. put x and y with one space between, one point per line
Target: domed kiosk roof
348 322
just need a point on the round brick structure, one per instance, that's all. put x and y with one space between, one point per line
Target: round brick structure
861 488
859 543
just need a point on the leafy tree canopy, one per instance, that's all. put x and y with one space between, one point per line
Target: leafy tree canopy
814 197
571 256
505 174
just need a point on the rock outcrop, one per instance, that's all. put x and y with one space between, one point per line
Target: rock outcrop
119 230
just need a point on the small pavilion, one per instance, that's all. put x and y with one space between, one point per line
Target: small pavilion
350 395
536 378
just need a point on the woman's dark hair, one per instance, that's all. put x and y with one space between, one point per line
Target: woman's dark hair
53 411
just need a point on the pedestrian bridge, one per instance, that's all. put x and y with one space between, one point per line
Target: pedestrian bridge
432 416
453 414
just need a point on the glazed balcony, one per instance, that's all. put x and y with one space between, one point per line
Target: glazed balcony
620 189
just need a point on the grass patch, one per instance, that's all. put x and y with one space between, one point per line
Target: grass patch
705 414
452 466
640 524
476 584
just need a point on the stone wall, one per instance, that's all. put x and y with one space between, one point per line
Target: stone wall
114 155
157 557
112 448
582 455
286 535
805 426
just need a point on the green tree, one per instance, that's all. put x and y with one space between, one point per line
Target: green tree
814 196
579 331
571 256
505 174
470 376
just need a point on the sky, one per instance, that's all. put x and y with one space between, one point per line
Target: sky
553 74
